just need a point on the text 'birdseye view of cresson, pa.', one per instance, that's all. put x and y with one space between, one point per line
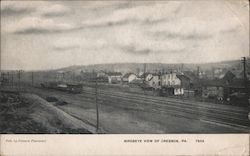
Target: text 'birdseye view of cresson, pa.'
128 67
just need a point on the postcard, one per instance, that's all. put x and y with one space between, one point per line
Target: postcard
146 77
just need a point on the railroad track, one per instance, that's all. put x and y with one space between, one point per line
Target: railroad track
195 111
179 103
158 98
235 118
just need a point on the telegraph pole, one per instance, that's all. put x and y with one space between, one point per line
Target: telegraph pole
144 73
32 79
213 73
198 71
97 109
12 80
244 67
19 78
8 77
244 73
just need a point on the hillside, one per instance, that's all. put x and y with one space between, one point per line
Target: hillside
135 67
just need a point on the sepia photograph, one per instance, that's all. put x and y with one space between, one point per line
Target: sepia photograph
125 67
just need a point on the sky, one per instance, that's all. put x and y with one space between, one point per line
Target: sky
39 35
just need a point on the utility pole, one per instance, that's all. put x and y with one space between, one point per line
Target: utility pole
97 109
8 77
198 71
244 67
144 73
245 76
12 80
213 72
3 77
32 78
19 78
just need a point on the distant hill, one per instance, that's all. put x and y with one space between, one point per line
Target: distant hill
150 67
154 67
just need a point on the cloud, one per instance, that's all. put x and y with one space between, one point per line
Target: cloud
54 10
179 35
13 9
35 8
115 5
140 14
74 43
66 44
108 24
132 49
39 25
66 48
135 50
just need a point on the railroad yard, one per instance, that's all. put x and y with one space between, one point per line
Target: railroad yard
129 113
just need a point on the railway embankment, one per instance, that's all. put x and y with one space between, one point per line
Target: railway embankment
29 113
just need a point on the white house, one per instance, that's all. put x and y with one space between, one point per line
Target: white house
170 79
153 80
129 77
146 76
172 83
114 77
101 73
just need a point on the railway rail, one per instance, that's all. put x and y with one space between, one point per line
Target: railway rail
227 115
234 118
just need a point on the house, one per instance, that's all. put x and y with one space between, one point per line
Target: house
137 81
129 77
229 76
151 80
60 76
193 79
145 76
185 81
114 77
101 73
170 79
89 76
233 91
213 89
172 84
154 81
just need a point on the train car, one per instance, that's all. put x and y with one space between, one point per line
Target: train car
62 87
74 88
50 85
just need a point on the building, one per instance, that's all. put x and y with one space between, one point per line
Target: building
170 79
213 89
145 76
154 81
114 77
229 76
88 76
101 73
171 84
151 80
129 77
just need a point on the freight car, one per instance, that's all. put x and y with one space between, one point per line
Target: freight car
68 87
